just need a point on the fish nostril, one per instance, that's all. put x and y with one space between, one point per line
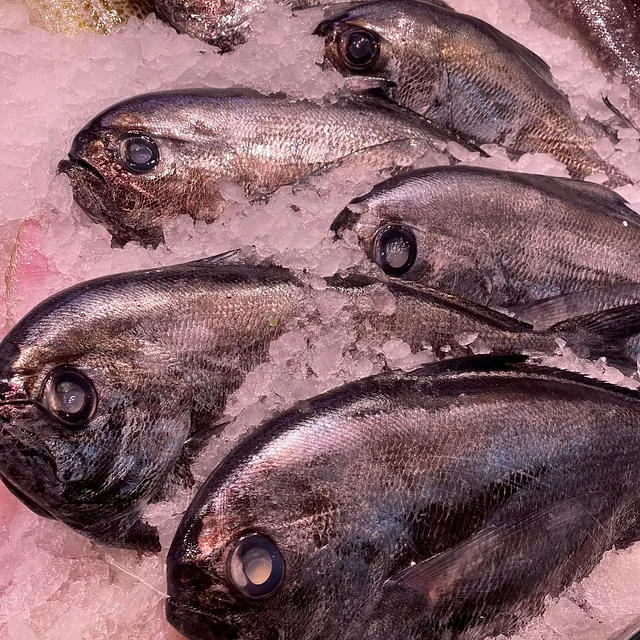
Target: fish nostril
188 576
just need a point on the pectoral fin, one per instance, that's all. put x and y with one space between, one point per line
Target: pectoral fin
513 557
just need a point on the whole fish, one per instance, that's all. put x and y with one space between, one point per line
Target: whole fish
464 75
109 390
158 155
608 29
71 17
497 237
442 504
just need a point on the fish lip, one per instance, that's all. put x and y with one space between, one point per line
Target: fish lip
183 606
30 439
67 165
192 621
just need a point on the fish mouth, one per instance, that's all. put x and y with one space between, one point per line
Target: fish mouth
346 219
28 502
73 162
194 622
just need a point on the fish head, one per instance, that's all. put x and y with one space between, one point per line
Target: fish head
87 435
267 548
140 162
396 230
223 23
386 40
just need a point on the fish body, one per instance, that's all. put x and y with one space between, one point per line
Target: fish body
109 389
71 17
608 29
444 503
159 155
493 236
464 75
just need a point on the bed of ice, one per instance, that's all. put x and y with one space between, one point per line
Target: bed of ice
54 584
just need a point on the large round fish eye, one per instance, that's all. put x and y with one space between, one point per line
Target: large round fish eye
70 396
255 566
360 48
138 153
394 249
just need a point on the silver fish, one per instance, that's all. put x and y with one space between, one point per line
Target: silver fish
464 75
608 29
159 155
442 504
496 237
223 23
109 390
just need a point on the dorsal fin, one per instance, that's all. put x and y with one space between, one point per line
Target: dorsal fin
233 256
584 193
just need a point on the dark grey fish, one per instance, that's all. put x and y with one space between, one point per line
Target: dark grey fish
608 29
159 155
499 238
464 75
103 385
109 390
442 504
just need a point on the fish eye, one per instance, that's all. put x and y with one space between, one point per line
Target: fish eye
360 48
255 566
394 249
138 153
70 396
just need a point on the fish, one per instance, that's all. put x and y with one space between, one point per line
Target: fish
72 17
158 155
225 24
499 238
441 504
107 387
109 390
608 29
464 75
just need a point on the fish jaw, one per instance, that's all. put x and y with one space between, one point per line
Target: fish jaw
96 198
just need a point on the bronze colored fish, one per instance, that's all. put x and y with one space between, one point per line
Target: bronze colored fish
159 155
109 389
465 76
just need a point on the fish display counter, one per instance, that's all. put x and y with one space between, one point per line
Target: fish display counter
319 320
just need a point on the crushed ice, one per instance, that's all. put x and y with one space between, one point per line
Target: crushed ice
54 584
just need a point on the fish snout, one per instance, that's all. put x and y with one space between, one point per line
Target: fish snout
83 139
12 392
